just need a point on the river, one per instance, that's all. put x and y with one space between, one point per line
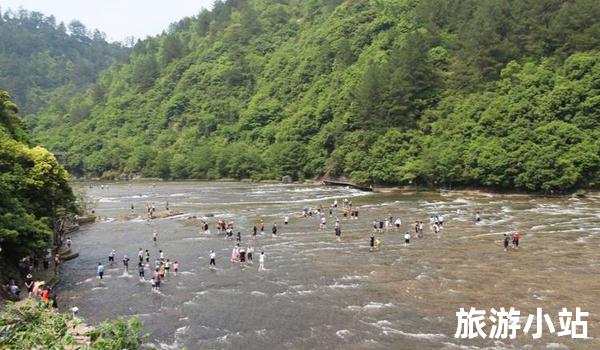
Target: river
319 293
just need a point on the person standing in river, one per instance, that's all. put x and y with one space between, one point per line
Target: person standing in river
274 229
141 271
212 257
250 252
167 266
147 255
242 253
338 231
506 241
235 253
397 223
126 264
372 242
175 267
406 239
157 279
261 262
162 270
100 271
515 240
111 257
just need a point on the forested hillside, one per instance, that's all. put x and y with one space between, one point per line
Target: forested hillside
34 189
42 60
502 94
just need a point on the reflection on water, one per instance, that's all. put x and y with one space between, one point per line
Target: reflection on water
319 293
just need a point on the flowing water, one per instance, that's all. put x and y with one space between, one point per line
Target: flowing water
318 293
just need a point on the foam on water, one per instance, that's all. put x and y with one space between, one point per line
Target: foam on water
343 286
385 328
370 306
354 278
109 200
181 330
87 280
343 333
305 292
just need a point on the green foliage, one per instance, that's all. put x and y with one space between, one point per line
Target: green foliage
26 325
41 60
501 94
33 189
117 335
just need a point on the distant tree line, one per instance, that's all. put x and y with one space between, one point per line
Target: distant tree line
42 60
501 94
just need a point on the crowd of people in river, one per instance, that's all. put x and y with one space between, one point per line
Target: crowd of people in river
242 254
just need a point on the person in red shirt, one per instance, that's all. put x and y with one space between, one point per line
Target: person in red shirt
515 241
45 295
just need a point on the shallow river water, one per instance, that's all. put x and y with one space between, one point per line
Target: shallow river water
318 293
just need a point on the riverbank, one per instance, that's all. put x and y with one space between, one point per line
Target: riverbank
487 192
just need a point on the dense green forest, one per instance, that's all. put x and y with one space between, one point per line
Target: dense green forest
502 94
42 60
34 189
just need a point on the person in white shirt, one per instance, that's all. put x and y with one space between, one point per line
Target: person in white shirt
111 257
406 239
100 271
398 222
212 256
261 261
